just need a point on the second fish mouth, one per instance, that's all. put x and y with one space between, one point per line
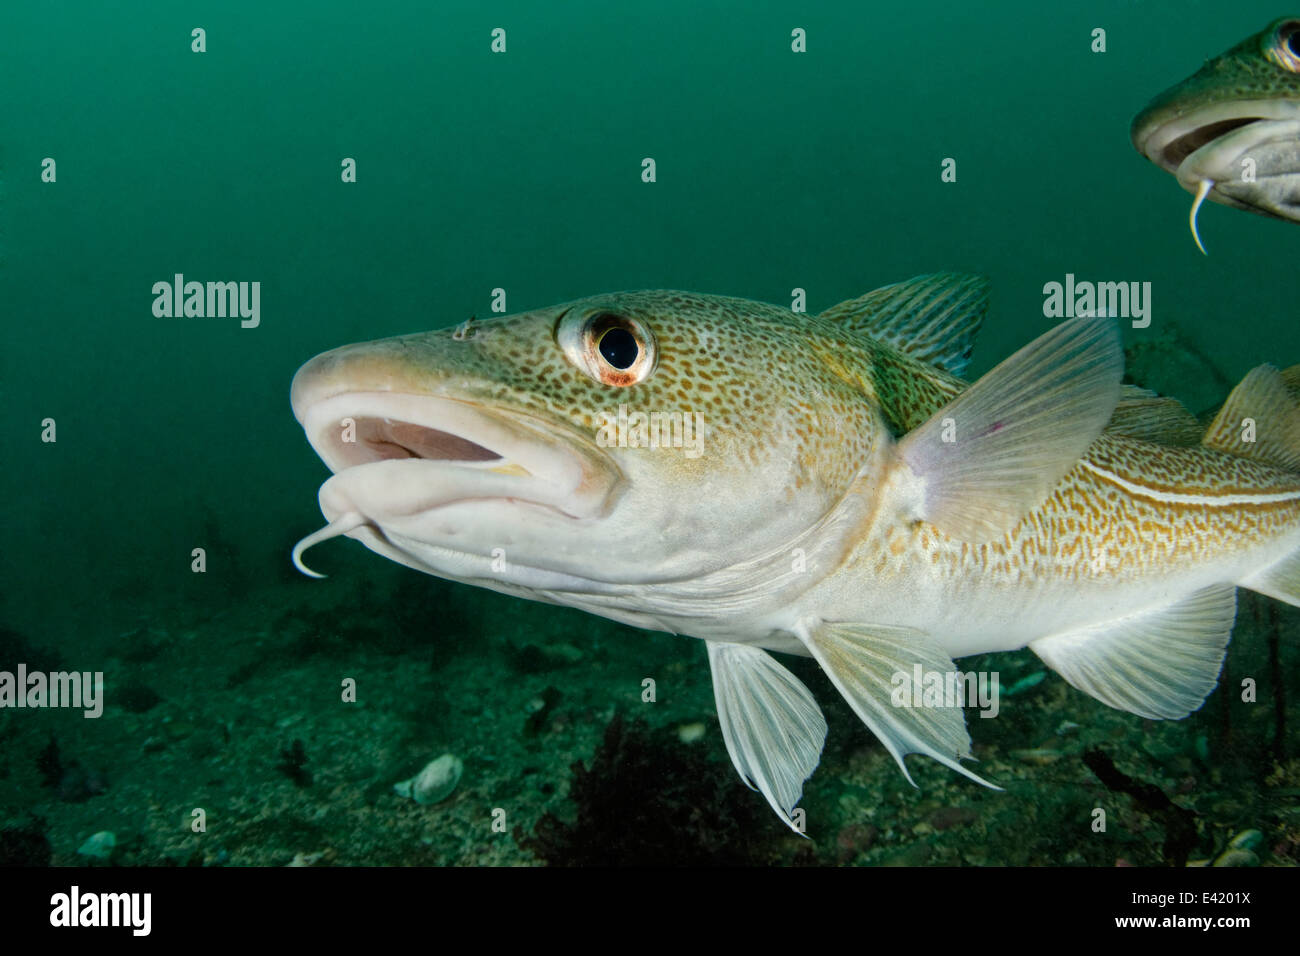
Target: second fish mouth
1177 150
1169 133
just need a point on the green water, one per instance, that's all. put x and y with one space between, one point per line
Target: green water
522 170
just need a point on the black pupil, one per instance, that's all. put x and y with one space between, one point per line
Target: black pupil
619 348
1293 42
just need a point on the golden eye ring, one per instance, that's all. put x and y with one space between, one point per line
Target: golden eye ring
613 349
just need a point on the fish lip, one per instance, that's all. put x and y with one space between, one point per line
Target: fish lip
565 472
1168 133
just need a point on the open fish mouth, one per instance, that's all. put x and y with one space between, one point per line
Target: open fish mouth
1180 149
419 468
382 439
1210 150
1170 153
1168 135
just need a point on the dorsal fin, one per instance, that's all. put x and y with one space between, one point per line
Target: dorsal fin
1272 434
1291 379
932 318
1146 416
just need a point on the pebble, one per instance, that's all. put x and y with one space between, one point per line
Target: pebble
435 782
1039 755
1237 857
100 846
690 733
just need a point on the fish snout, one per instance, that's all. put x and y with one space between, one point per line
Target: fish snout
365 367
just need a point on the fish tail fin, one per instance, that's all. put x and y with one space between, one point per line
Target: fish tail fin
1261 421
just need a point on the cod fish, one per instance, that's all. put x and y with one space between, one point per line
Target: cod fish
851 498
1230 132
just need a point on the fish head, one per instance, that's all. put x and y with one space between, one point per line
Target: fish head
1231 131
613 442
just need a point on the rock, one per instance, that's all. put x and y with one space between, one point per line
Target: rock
1237 858
435 782
855 838
1246 840
100 846
1171 363
1241 850
945 818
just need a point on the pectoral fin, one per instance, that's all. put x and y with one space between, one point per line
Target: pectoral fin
1159 664
864 663
771 724
993 454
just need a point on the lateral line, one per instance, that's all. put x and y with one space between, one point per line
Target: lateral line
1203 498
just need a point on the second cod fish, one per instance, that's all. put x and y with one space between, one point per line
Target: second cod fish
1231 131
847 496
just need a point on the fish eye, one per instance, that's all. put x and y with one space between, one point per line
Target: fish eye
612 349
1286 46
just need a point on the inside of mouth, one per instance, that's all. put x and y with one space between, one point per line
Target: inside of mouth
382 439
1185 145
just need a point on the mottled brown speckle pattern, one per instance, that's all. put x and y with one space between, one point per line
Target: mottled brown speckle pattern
761 376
